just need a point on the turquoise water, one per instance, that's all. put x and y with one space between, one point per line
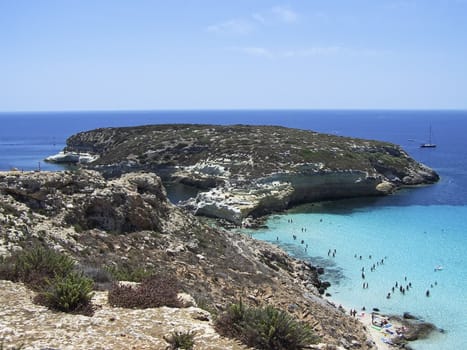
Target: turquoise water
412 240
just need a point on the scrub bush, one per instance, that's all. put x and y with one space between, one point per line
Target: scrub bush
154 291
70 293
181 340
34 266
265 328
129 273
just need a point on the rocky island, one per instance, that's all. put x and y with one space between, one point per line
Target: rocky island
247 171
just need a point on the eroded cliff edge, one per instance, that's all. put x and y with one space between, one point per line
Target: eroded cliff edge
252 170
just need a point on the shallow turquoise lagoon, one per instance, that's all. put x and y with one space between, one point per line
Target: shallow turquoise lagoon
411 240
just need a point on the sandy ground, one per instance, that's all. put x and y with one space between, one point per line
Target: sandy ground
375 334
379 336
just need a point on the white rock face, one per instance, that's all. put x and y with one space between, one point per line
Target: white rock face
72 157
235 204
236 201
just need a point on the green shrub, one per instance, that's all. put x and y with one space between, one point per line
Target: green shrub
265 328
35 265
181 340
129 273
69 293
154 291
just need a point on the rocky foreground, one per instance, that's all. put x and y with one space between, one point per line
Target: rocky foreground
128 221
250 170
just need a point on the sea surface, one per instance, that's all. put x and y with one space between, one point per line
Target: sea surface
406 235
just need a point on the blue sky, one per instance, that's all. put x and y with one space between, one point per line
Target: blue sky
238 54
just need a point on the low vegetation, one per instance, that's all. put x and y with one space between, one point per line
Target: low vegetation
53 276
181 340
35 266
265 328
154 291
69 293
129 272
272 148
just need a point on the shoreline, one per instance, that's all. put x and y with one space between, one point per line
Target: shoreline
399 331
376 336
390 331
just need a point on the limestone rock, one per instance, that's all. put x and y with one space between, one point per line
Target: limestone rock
253 170
127 223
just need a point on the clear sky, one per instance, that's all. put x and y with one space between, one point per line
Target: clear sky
232 54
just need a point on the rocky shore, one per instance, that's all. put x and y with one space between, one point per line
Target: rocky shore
128 221
249 171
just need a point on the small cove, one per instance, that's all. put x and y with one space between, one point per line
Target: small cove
410 240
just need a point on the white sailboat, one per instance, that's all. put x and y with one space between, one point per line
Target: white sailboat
430 143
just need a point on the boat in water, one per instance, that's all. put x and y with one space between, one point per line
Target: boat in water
430 143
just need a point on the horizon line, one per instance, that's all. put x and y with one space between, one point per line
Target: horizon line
236 110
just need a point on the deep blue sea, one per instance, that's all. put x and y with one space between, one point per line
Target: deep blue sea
414 230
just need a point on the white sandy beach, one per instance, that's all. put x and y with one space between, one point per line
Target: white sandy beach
376 335
382 336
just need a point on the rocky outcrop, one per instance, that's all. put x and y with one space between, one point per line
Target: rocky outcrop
253 170
28 326
134 202
129 222
415 328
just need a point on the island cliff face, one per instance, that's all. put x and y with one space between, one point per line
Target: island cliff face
252 170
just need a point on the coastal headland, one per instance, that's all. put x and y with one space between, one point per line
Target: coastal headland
249 171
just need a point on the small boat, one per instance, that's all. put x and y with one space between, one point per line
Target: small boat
438 268
429 144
